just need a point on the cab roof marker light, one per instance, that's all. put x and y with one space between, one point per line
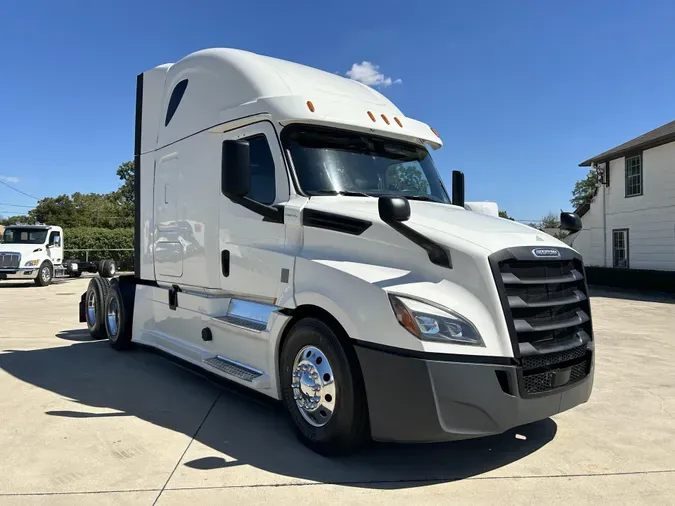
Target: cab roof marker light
435 133
372 116
310 106
398 122
386 120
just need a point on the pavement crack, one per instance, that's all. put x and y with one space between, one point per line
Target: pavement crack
427 480
180 459
347 483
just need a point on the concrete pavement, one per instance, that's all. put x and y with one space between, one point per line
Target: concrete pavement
81 424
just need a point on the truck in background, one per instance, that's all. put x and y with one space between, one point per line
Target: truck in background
326 265
36 252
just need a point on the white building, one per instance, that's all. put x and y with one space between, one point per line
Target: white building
630 222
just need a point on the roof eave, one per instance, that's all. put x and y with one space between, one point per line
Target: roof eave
613 155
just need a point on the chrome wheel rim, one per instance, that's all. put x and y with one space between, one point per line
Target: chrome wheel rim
91 308
112 269
113 317
314 386
45 274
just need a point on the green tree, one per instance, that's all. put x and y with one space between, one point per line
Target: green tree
13 220
504 214
549 221
59 211
584 189
127 174
410 178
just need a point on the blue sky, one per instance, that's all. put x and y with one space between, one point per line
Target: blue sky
521 91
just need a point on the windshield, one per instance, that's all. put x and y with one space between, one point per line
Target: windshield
24 236
329 161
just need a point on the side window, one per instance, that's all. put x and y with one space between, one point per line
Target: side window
55 238
176 97
263 186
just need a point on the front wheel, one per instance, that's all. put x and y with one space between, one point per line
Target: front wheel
322 389
45 274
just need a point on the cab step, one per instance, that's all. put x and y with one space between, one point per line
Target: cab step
237 370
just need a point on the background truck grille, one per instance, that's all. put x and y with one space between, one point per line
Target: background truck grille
9 260
545 302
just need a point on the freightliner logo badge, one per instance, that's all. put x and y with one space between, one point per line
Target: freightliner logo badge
545 252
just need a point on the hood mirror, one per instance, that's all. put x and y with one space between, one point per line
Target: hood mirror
393 209
457 188
570 222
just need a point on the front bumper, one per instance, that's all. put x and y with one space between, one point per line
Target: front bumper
419 399
22 273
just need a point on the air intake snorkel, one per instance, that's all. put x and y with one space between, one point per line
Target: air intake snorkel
394 211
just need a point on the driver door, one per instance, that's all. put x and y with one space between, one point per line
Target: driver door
257 265
55 247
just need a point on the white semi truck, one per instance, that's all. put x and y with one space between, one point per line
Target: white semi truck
327 266
36 252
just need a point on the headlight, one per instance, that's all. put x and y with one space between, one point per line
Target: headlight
32 263
431 323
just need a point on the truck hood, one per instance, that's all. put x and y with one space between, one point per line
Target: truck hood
447 223
24 249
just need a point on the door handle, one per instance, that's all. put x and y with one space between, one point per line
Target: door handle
225 262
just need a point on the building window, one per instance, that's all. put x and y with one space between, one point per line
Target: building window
633 175
263 186
620 248
176 97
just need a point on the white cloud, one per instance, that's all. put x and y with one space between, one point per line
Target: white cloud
9 179
368 73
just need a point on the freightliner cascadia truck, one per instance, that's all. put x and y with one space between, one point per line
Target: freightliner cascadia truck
294 236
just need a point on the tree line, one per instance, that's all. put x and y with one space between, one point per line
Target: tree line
100 210
583 192
115 210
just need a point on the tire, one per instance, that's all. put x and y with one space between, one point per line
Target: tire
95 297
109 268
45 274
118 316
338 423
100 268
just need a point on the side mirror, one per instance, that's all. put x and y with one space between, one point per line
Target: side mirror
570 222
457 188
393 208
235 168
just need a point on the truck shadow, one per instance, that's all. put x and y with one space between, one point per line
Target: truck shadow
246 428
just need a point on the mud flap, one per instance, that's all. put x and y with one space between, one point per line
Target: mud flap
83 314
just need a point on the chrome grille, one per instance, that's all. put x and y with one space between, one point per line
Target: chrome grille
10 260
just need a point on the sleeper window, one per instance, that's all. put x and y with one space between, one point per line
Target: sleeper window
262 187
176 97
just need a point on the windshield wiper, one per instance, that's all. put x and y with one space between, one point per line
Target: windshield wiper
347 193
426 198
